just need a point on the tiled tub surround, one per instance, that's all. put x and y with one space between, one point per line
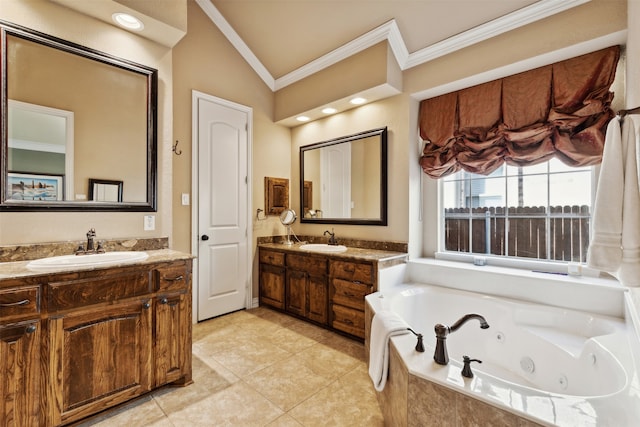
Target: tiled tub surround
590 360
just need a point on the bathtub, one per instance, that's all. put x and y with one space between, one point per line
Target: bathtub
548 364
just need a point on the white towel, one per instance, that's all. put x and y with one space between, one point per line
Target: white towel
384 325
605 250
629 270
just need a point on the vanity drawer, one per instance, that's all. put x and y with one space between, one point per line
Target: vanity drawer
175 277
349 294
272 257
19 302
314 266
352 271
95 290
348 320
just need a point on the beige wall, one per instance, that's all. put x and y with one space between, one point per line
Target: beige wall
391 112
50 18
205 61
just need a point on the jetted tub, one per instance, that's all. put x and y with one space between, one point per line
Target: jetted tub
551 365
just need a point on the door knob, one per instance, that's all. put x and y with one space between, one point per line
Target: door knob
205 237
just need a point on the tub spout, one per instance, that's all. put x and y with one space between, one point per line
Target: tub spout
441 356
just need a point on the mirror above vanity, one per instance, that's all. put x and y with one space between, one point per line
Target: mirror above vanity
73 117
344 180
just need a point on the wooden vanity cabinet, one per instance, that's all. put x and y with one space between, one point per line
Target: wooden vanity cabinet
172 334
78 343
306 287
324 288
20 349
350 283
101 357
272 278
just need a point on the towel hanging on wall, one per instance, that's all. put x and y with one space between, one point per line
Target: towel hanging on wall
615 247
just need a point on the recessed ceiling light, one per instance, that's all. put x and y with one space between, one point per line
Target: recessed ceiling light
128 21
358 101
329 110
302 118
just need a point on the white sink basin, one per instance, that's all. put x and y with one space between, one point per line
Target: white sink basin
66 262
323 247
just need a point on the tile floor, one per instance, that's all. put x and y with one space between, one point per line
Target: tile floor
259 367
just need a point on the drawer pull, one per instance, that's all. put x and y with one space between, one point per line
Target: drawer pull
15 304
174 279
30 329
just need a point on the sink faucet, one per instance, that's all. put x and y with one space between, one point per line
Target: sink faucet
91 235
332 237
440 356
91 246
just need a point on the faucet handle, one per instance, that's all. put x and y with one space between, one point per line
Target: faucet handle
466 369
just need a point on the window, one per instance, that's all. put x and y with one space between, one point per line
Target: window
537 212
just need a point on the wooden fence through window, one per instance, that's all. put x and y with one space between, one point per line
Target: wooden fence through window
520 232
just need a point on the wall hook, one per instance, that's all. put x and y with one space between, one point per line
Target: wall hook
175 148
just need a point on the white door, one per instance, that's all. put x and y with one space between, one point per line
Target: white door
222 197
335 178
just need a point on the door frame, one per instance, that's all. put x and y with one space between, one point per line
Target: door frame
195 237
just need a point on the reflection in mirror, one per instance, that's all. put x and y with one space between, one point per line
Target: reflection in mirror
76 113
349 175
103 190
40 142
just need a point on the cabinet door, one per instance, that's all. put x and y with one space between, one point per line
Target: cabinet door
317 299
296 290
172 352
272 285
102 357
20 374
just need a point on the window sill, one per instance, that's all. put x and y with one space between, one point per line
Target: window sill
601 295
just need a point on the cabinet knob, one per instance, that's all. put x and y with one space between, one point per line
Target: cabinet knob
146 305
30 329
164 301
174 279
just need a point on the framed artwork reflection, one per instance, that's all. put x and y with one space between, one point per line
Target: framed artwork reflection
35 187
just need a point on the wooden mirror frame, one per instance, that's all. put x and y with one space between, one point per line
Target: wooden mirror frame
151 75
304 186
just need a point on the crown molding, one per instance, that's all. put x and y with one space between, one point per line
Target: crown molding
389 31
386 31
216 17
548 58
527 15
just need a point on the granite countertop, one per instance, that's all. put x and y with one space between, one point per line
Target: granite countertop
17 269
351 253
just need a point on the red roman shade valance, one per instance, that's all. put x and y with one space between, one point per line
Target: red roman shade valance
558 110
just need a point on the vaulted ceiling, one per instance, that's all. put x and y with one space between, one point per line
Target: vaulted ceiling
286 40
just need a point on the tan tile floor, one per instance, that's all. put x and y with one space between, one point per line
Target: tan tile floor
259 367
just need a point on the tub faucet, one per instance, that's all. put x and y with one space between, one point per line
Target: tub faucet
441 356
332 237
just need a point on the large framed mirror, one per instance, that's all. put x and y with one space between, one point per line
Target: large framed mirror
71 114
344 180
